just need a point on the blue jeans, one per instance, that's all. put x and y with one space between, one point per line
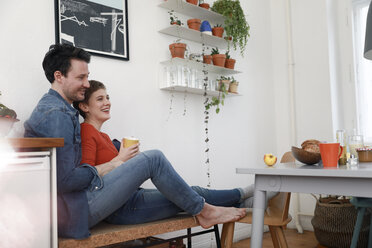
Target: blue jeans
121 201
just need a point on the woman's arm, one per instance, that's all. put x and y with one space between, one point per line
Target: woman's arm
124 155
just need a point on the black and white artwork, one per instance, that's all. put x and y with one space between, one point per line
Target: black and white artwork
98 26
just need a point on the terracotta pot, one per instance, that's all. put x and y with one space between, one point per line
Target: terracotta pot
219 59
194 24
233 88
175 23
228 38
204 5
217 31
207 59
230 63
195 2
225 82
177 50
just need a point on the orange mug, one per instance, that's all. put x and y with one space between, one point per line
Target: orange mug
330 153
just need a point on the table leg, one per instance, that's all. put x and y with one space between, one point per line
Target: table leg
258 218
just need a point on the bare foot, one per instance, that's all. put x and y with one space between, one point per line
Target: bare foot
212 215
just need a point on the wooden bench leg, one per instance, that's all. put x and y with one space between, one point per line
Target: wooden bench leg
227 235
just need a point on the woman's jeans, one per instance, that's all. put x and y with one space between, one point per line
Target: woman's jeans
121 201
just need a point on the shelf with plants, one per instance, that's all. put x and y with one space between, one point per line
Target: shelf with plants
197 91
194 35
182 7
200 66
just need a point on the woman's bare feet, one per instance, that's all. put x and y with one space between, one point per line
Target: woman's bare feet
212 215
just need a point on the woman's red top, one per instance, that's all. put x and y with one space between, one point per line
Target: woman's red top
96 147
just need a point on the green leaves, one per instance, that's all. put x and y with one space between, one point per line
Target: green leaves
216 101
215 51
236 25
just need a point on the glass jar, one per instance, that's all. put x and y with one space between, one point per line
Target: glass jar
355 142
341 138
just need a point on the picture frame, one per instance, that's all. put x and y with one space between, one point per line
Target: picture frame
98 26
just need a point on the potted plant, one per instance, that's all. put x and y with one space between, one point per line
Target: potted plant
195 2
233 88
207 59
236 25
177 49
174 19
203 4
194 23
218 59
219 100
7 119
224 83
217 30
229 63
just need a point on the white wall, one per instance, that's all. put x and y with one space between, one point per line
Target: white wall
239 135
323 78
247 127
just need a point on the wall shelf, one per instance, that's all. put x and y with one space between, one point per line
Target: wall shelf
195 91
183 7
199 66
179 82
194 35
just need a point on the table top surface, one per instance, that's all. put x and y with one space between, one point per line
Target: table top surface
364 170
34 142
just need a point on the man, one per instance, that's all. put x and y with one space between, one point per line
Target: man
85 195
66 68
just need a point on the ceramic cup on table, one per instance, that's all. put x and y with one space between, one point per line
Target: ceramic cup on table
129 141
330 153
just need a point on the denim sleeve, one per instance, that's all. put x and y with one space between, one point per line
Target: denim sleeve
117 144
70 176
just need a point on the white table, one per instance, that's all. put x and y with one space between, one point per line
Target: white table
292 177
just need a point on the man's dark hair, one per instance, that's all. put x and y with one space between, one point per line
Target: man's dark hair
58 58
94 86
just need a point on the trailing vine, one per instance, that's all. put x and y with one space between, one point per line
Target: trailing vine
171 104
184 103
206 118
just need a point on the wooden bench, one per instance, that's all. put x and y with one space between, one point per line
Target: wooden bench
107 234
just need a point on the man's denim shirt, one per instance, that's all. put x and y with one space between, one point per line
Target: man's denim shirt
54 117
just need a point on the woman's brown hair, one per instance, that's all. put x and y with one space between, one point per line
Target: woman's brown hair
94 86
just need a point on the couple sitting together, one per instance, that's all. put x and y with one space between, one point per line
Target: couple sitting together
98 181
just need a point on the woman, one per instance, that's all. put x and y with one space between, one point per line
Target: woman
121 201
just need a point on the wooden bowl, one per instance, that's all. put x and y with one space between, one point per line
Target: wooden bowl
305 156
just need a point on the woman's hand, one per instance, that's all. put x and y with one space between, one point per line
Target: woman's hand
124 155
127 153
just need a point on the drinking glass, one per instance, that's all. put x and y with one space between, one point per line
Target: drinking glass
355 142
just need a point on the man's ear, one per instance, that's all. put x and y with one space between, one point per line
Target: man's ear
84 107
58 76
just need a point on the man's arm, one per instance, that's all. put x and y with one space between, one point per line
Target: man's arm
70 176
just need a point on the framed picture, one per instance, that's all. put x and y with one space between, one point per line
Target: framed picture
98 26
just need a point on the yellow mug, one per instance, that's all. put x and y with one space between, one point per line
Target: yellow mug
129 141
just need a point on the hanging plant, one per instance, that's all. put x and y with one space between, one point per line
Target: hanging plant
7 119
236 25
220 100
206 117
